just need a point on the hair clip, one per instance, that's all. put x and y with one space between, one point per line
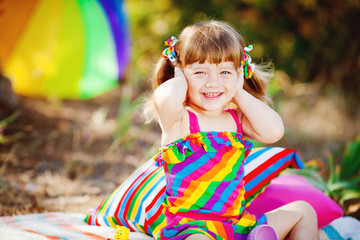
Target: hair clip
169 52
246 62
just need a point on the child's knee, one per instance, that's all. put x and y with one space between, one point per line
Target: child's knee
298 217
306 208
309 216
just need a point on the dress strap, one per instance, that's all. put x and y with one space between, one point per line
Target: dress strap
194 124
236 118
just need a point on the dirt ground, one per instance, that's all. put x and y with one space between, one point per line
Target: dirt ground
64 155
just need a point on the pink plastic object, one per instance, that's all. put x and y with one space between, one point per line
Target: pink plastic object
262 232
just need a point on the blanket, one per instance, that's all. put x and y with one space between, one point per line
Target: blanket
56 226
71 226
345 228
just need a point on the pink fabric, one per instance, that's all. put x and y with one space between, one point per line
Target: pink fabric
236 119
194 124
289 188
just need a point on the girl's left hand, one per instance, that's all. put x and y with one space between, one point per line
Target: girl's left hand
241 78
240 86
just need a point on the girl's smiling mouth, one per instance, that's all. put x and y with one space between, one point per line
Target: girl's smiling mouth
212 94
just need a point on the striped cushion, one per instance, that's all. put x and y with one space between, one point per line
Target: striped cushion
264 164
137 203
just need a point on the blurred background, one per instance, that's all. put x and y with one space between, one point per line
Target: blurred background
74 74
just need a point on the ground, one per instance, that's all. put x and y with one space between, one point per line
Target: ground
68 155
63 156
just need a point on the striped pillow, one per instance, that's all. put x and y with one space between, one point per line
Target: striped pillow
137 203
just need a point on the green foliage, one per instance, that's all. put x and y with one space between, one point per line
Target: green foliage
255 143
343 182
127 110
3 124
309 40
351 162
151 24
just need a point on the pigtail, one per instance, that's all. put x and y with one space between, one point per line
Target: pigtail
257 85
163 71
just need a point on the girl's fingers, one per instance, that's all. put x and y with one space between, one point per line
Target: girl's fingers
179 72
241 78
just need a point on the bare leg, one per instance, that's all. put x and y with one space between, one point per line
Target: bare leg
197 236
297 218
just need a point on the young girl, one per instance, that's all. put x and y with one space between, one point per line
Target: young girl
200 75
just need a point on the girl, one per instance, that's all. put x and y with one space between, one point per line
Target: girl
200 75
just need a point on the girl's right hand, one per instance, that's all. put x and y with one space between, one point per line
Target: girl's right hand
179 73
169 99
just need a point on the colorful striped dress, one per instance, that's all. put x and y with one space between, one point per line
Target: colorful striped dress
204 186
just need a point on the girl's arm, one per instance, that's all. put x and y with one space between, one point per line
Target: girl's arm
169 98
260 122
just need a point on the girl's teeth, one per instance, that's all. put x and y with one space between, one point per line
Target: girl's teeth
212 94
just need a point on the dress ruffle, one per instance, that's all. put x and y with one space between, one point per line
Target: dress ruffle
177 151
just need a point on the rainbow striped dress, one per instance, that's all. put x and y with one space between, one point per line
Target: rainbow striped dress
204 186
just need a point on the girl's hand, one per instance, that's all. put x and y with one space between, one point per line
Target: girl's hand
241 78
259 121
179 73
240 86
169 100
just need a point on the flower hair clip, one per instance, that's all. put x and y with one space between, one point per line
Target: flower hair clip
246 62
169 52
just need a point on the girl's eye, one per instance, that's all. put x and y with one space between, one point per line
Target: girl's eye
225 72
199 73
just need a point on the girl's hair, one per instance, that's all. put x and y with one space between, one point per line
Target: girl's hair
215 42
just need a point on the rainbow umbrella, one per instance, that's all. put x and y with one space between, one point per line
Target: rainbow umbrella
63 48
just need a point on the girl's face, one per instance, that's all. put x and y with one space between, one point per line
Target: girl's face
211 86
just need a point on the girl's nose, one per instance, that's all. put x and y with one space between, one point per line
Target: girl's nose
212 81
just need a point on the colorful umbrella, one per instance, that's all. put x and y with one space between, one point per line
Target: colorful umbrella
63 48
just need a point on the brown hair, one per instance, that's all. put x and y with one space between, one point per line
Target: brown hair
215 42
